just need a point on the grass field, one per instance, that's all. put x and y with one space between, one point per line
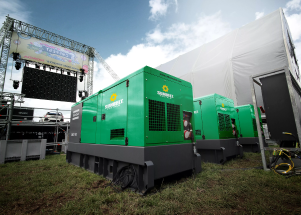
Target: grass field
52 186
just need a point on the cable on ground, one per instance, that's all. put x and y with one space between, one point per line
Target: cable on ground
126 177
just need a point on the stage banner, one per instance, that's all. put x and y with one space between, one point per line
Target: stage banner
40 51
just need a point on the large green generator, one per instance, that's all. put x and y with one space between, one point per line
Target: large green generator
246 125
145 119
213 117
216 133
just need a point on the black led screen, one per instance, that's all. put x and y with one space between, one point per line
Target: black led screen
40 84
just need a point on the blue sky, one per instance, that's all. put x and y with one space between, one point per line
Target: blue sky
115 26
130 34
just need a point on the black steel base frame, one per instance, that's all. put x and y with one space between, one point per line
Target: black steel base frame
218 151
151 163
251 144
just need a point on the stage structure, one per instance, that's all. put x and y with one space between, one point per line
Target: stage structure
224 65
43 52
33 44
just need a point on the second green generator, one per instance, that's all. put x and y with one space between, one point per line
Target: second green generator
216 133
143 122
246 125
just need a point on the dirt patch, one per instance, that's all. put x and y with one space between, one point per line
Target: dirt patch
212 184
45 203
99 184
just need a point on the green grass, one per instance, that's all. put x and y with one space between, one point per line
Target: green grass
52 186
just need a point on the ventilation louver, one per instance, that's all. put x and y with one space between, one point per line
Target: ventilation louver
224 122
157 120
173 117
117 134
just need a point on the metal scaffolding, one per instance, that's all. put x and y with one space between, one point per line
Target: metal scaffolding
5 39
90 76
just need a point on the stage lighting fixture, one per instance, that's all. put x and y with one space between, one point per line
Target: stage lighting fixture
16 84
82 71
68 73
18 65
16 56
37 66
86 93
81 78
80 93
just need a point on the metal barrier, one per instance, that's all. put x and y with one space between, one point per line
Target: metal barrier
22 150
58 121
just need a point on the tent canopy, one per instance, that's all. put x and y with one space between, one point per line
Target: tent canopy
224 65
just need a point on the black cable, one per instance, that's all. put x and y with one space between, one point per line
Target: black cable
126 177
283 154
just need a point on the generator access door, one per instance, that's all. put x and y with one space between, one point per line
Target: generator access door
164 121
113 123
89 114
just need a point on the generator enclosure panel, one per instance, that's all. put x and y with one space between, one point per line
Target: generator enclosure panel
213 117
247 129
245 120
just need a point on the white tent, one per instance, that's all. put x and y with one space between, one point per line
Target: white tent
224 65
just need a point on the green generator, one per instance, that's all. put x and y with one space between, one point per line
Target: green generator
246 125
216 133
144 122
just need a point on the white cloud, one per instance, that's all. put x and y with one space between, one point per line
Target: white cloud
259 15
176 3
159 8
162 46
15 8
293 19
293 5
184 37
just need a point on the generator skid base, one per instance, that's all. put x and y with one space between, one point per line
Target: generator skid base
218 151
251 144
150 163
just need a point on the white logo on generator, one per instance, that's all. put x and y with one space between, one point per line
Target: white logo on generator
165 95
75 114
114 104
